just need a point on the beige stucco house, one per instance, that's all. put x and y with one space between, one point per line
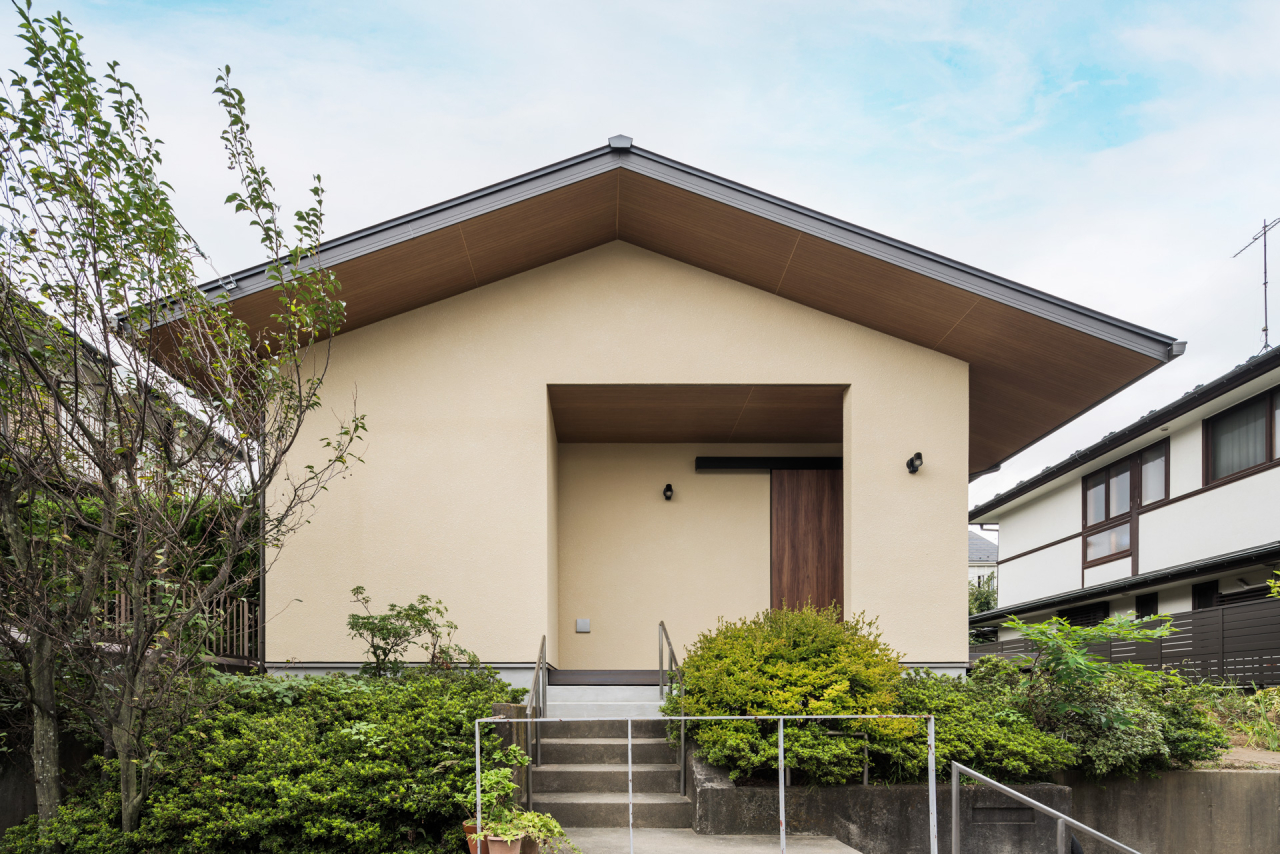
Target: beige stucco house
540 359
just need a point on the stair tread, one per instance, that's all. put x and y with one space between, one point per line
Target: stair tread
635 766
635 740
609 797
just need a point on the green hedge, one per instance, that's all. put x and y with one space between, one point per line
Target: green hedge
318 764
977 723
1003 722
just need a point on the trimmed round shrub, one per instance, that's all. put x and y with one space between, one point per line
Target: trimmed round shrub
788 662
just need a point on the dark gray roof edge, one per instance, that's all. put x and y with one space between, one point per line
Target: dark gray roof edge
1205 566
1132 336
1197 397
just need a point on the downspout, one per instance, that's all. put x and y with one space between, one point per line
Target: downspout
262 553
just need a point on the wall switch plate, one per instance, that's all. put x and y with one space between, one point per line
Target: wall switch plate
584 626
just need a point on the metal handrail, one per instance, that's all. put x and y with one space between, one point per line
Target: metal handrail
782 788
535 708
1064 838
664 688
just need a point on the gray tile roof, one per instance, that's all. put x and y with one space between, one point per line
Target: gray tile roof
981 550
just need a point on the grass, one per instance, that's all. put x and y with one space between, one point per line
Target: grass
1252 719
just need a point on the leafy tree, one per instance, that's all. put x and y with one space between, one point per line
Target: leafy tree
1122 717
982 594
389 636
146 429
1062 666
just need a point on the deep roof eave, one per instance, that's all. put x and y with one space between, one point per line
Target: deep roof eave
1140 339
1231 380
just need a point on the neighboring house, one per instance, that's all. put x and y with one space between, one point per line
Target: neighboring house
541 359
982 557
1177 513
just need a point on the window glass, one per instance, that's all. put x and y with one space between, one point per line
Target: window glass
1095 499
1147 605
1239 439
1107 542
1118 484
1153 468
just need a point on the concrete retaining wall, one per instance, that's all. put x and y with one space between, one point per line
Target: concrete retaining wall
879 819
1184 812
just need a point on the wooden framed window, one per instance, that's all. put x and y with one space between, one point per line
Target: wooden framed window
1204 595
1112 498
1243 438
1146 605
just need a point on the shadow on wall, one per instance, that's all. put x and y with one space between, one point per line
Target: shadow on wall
18 785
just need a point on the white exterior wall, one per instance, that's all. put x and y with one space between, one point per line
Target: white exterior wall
1109 571
1050 517
1223 520
1186 460
1048 571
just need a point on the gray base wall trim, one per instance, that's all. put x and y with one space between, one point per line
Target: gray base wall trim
942 668
879 819
518 674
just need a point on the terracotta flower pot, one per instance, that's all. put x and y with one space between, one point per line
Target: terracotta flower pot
523 845
469 829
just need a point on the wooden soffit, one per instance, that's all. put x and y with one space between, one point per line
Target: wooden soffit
1035 361
697 413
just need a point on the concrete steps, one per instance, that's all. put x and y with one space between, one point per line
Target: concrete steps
605 751
663 778
602 701
609 809
583 778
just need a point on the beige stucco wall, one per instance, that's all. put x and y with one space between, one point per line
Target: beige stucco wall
629 558
455 498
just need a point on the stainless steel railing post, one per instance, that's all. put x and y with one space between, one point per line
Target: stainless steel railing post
955 809
782 792
933 794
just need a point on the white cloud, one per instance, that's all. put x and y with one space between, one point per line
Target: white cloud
973 131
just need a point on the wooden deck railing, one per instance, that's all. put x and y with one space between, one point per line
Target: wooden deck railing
1239 643
233 635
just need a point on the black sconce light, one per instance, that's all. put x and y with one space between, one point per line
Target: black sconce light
914 464
667 492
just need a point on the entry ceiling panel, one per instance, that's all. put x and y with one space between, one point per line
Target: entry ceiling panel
697 413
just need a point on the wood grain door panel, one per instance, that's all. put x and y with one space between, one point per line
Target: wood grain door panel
807 524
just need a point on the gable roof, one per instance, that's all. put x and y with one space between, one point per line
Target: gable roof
1253 368
981 550
1036 361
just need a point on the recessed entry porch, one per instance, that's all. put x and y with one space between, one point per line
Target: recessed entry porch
754 516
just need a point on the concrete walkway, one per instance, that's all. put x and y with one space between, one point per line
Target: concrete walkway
649 840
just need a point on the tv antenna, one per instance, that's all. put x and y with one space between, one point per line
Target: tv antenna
1262 235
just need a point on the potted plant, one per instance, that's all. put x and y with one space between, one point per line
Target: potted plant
521 832
497 799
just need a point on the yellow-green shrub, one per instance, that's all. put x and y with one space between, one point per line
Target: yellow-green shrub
784 662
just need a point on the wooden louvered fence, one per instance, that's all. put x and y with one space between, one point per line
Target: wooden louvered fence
1239 643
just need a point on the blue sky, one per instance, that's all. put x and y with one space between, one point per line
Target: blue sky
1116 154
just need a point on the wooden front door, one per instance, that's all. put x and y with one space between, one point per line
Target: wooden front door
807 524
